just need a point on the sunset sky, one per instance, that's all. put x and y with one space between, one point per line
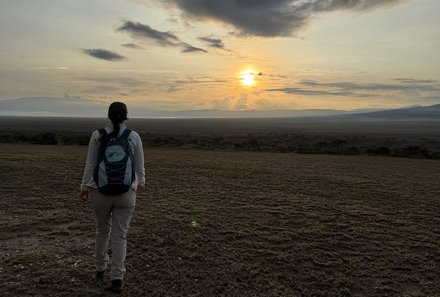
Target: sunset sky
223 54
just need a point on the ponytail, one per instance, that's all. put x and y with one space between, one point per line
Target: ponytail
117 114
115 119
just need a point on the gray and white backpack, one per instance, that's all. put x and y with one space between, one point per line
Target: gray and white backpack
114 172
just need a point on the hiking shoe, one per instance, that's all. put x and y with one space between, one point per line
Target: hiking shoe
116 286
99 276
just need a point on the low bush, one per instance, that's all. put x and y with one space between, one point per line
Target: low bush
270 142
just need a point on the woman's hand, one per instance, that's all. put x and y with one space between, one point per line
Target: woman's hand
84 195
140 189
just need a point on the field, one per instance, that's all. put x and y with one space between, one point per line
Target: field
228 224
318 135
237 126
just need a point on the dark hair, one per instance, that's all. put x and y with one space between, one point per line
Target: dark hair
117 114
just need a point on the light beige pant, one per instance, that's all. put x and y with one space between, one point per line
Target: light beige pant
113 215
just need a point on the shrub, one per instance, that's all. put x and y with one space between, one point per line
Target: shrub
352 150
6 138
416 151
47 138
383 151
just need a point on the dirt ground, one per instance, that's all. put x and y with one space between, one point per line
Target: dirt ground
227 224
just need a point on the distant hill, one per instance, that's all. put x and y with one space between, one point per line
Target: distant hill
77 106
83 107
51 106
410 113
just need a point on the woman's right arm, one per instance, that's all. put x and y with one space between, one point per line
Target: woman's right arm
87 182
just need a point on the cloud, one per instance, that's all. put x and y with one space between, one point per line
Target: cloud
187 48
351 86
173 89
132 46
415 81
223 103
51 68
161 38
270 18
351 89
103 54
263 103
230 102
242 102
120 81
213 42
139 30
202 80
181 84
302 91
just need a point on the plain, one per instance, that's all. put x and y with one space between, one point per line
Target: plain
228 224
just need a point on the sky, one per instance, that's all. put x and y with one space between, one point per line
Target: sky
223 54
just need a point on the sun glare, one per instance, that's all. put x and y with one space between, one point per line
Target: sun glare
247 77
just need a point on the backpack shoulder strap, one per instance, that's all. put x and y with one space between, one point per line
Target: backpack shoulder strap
102 132
102 141
125 134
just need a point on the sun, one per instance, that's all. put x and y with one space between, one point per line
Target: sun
247 77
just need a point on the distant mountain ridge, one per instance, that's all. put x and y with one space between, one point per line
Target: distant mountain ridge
431 112
51 106
83 107
76 106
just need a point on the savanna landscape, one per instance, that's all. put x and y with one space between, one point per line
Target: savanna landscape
227 223
292 147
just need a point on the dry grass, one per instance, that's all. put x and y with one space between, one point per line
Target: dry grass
228 224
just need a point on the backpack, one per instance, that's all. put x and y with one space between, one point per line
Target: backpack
114 172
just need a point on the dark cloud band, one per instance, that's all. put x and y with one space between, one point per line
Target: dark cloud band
132 46
139 30
161 38
103 54
213 42
186 48
270 18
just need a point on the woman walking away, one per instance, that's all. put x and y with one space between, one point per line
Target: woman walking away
113 175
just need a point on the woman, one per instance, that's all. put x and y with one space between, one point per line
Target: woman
113 212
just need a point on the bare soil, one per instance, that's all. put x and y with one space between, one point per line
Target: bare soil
227 224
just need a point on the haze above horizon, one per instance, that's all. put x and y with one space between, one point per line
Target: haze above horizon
228 55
